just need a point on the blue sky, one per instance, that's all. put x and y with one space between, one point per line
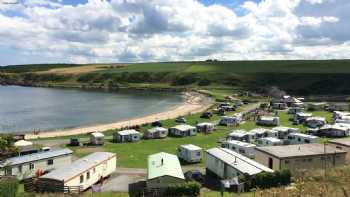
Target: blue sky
55 31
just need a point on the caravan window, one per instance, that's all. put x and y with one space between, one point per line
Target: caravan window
50 162
81 178
88 175
307 141
198 154
31 166
20 168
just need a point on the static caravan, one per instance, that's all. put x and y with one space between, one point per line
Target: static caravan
97 138
205 127
316 106
343 119
243 148
339 107
126 136
156 132
272 133
257 133
189 153
25 147
280 106
336 130
227 164
339 115
183 130
268 121
301 117
231 120
28 166
292 101
315 122
300 138
82 173
284 131
163 170
269 141
239 135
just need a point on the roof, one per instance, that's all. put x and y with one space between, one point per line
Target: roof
97 134
169 167
156 129
205 124
316 118
128 132
79 166
268 118
303 114
344 141
304 135
271 139
239 143
282 129
35 157
300 150
238 161
23 143
183 127
238 133
259 130
191 147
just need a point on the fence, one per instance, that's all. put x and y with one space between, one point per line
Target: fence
44 186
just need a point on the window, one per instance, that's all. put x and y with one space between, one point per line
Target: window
50 162
339 147
307 141
286 162
299 139
81 178
8 171
31 166
20 168
88 175
94 170
198 154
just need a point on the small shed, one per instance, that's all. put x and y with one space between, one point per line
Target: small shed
82 173
130 135
156 133
163 170
205 127
183 130
315 122
97 138
189 153
269 141
268 121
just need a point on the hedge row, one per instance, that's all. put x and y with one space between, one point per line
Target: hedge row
8 187
187 189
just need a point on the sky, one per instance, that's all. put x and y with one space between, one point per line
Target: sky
105 31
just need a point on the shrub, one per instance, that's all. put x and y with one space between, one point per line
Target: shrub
8 187
186 189
268 180
204 82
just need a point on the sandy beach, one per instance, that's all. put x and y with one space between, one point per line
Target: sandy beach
193 103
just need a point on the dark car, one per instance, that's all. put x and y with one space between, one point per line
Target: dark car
180 120
156 124
74 142
207 115
194 175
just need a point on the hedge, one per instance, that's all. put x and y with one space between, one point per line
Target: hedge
8 187
268 180
186 189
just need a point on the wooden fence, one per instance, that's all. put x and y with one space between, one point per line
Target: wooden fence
44 186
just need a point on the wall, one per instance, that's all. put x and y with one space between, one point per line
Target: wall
263 159
219 168
342 147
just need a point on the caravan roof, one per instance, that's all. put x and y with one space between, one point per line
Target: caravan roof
191 147
164 164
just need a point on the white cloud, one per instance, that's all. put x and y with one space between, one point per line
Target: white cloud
165 30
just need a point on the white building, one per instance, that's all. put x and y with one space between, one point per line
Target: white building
82 173
239 135
156 133
97 138
269 141
205 127
28 166
227 164
243 148
316 106
272 133
300 138
315 122
189 153
126 136
257 133
183 130
268 121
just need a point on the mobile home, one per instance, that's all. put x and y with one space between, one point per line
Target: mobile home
300 138
82 173
336 130
239 135
231 120
316 106
163 170
156 132
315 122
183 130
268 121
189 153
243 148
97 138
257 133
126 136
284 131
29 166
301 117
205 127
269 141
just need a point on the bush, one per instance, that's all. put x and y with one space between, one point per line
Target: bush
8 187
204 82
267 180
186 189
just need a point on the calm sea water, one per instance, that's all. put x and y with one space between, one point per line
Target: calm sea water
24 109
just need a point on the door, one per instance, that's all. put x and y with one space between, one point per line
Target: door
270 163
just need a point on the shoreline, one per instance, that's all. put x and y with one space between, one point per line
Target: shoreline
194 102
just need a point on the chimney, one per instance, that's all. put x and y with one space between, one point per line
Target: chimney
162 161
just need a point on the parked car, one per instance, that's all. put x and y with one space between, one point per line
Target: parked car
157 124
74 142
180 120
207 115
194 175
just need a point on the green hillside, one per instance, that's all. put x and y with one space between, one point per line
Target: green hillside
296 76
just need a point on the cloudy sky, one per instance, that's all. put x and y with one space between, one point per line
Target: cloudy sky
81 31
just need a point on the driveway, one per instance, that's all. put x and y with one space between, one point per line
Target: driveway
120 180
